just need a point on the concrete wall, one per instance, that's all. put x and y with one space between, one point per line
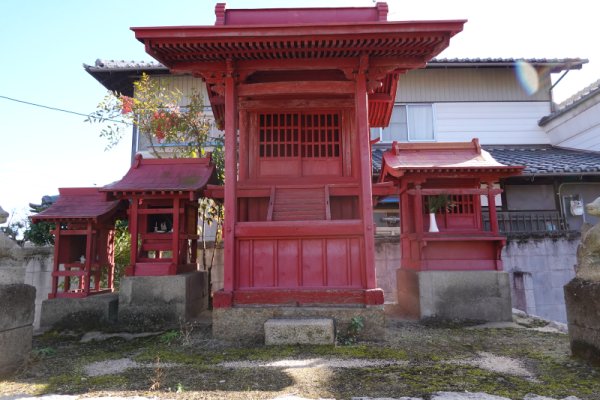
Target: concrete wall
546 265
38 273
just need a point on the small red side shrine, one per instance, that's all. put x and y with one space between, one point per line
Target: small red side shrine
296 91
163 212
83 241
463 173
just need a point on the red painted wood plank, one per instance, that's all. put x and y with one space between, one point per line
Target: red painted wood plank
302 297
312 262
286 229
296 88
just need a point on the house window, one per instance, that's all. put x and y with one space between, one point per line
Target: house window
410 123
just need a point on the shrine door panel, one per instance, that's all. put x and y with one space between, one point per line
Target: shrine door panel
297 263
297 144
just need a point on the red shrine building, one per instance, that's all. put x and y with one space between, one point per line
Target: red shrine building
296 91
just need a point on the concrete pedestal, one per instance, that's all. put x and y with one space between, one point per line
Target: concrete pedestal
460 295
247 323
582 298
158 302
17 303
86 313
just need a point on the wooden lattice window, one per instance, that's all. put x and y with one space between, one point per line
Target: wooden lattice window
321 135
278 135
459 204
462 204
306 135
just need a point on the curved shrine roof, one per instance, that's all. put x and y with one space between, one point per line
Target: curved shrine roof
78 204
466 157
164 175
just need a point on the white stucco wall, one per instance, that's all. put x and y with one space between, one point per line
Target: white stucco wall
578 128
491 122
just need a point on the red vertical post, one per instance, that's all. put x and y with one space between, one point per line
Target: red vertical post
176 260
362 127
230 179
88 259
492 208
133 230
418 209
56 260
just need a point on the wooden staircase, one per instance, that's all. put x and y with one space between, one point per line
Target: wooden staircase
299 204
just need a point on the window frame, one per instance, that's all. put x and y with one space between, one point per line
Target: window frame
408 128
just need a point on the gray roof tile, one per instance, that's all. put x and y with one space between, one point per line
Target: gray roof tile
573 101
537 159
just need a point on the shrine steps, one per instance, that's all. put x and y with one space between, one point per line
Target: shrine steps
279 331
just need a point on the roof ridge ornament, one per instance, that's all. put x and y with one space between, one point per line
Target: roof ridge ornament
220 13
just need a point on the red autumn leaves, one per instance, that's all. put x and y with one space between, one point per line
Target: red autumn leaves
161 121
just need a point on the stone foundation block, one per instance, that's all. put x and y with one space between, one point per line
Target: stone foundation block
159 302
461 295
247 324
299 331
17 302
80 314
582 298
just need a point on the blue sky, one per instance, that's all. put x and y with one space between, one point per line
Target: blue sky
45 43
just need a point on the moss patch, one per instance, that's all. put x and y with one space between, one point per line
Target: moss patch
58 362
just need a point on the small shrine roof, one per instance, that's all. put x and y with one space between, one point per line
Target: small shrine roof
78 204
165 175
442 157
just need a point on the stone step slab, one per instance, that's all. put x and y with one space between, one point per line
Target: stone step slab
299 331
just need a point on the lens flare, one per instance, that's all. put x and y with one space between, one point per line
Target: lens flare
527 76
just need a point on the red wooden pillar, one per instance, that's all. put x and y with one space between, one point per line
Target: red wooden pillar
230 179
133 230
85 279
418 209
492 208
176 250
55 266
362 127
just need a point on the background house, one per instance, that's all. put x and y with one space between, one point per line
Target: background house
515 119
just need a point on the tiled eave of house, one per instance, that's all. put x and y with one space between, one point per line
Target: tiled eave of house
573 102
553 65
119 75
539 160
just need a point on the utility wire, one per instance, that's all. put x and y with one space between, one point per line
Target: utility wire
58 109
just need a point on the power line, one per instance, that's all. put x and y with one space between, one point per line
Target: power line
57 109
